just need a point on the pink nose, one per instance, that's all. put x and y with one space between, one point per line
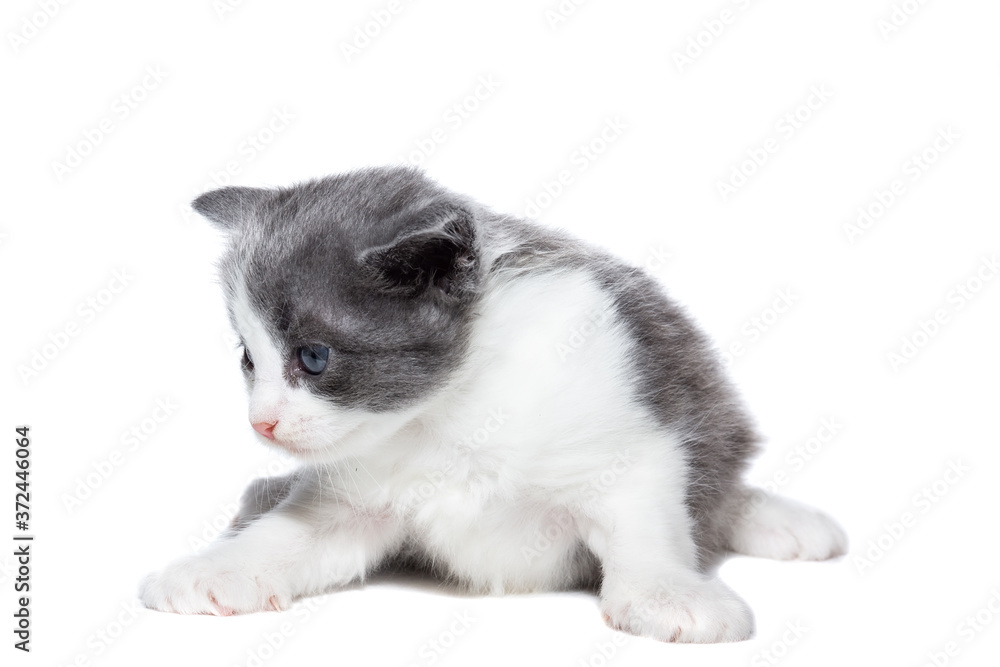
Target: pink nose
266 429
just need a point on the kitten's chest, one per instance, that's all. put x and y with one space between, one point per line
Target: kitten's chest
486 531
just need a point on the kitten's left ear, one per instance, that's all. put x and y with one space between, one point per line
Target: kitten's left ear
440 256
228 208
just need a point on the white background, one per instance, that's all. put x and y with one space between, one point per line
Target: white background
652 190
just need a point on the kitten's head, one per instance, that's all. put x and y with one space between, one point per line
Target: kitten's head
353 297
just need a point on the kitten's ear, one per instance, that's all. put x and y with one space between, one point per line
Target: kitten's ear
441 256
228 208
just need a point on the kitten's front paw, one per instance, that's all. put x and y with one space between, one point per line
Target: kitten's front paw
704 612
203 585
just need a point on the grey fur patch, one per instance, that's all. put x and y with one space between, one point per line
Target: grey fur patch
681 379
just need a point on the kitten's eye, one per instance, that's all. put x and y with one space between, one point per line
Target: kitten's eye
313 358
247 360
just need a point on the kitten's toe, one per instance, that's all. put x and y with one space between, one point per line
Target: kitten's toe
220 610
705 612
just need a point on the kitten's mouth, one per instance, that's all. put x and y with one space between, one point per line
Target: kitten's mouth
311 450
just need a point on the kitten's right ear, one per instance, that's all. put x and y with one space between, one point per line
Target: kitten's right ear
230 207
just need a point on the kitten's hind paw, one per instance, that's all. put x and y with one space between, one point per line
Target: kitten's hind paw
771 526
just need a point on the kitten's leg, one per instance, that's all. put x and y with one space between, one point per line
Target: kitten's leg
771 526
298 548
651 585
261 496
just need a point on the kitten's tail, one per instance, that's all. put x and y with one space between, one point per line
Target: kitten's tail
770 526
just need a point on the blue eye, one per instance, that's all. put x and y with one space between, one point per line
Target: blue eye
313 358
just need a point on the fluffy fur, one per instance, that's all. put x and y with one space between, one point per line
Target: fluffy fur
503 403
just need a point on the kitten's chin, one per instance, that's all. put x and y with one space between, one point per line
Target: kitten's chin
288 448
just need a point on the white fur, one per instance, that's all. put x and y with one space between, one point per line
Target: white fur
782 529
498 478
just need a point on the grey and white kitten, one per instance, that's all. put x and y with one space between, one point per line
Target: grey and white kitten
510 406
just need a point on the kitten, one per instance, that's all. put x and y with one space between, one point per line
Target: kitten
514 408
